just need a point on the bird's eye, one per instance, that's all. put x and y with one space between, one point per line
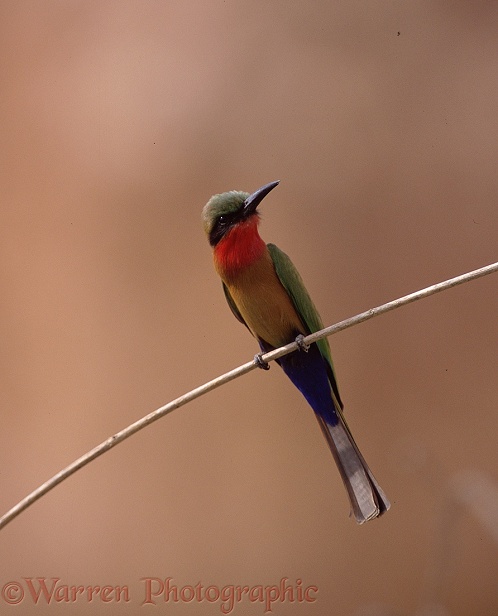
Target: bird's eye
222 220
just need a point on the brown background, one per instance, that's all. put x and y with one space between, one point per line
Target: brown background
119 120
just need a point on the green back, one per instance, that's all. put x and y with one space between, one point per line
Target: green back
293 284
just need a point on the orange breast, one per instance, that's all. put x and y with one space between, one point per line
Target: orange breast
264 303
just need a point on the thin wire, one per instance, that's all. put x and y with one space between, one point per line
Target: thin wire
120 436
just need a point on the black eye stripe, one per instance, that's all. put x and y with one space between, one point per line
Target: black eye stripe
227 219
221 226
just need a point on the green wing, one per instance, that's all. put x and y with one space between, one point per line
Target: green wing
293 284
232 305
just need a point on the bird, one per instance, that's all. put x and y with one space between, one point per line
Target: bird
266 294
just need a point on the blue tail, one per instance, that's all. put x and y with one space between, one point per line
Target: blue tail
309 373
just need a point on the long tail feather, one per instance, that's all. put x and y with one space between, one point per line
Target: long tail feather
368 501
309 373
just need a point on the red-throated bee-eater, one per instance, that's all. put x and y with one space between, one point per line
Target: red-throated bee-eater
266 293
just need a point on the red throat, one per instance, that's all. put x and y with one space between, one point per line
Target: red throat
240 247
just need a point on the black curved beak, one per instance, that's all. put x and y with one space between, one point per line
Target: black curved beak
252 202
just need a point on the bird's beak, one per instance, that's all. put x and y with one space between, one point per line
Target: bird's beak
252 202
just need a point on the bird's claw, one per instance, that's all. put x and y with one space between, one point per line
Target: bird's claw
301 345
259 361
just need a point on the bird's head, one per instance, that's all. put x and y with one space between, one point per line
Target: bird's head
228 210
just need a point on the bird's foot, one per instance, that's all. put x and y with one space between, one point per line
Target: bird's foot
259 361
301 345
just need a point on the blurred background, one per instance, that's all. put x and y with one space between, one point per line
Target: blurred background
119 121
